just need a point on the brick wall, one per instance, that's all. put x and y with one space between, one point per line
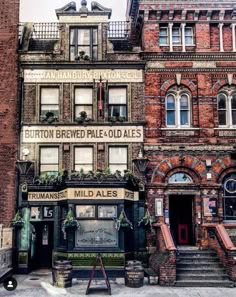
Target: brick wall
9 17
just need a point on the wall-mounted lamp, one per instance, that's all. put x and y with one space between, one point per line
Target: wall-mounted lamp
141 162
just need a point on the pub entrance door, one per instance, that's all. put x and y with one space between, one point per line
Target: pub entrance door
42 245
181 219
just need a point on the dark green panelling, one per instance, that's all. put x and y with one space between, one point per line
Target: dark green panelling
87 259
23 258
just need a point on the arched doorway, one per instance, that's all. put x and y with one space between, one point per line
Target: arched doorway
181 210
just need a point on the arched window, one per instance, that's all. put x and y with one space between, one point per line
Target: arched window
177 108
180 177
226 103
229 197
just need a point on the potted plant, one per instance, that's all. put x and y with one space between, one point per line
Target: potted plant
147 220
17 220
123 221
70 222
82 56
49 117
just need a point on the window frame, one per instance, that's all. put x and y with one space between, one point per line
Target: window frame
179 35
228 110
40 159
91 105
120 105
40 100
84 146
167 36
127 156
192 36
177 96
91 44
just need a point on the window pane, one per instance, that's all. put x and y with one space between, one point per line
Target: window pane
221 101
170 118
163 32
88 109
121 168
96 233
95 52
184 117
83 155
85 49
118 155
222 117
163 40
85 167
72 53
95 36
233 101
83 37
230 208
170 102
117 111
49 155
184 102
234 117
175 32
49 95
117 96
49 169
72 36
83 96
188 40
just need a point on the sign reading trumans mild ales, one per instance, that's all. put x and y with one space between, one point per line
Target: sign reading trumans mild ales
67 134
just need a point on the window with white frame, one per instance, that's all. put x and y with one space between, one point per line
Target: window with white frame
177 109
118 158
83 159
176 36
83 43
84 102
49 161
49 102
164 38
226 102
117 104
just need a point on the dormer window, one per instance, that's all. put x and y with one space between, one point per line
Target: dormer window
83 44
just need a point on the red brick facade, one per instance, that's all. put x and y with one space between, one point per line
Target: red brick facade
8 107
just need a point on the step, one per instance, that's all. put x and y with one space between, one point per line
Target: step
190 270
202 276
197 253
202 265
198 260
204 283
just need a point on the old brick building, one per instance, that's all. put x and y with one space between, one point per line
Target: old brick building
9 18
190 101
81 128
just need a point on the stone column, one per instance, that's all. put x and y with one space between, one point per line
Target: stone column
233 37
170 37
183 36
221 37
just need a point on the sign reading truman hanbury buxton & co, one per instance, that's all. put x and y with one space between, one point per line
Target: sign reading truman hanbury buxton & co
82 75
75 134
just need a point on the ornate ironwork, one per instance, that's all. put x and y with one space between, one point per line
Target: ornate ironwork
118 30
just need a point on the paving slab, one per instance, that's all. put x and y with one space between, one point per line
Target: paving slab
36 285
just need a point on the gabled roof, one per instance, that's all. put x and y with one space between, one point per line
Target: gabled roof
96 7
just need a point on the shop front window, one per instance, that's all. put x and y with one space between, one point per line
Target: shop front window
229 198
97 233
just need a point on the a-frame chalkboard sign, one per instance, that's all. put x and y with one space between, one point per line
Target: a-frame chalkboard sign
98 261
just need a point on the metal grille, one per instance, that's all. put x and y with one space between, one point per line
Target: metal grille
45 31
119 30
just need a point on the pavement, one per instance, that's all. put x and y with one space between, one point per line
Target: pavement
40 285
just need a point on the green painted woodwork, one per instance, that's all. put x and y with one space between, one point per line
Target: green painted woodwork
23 258
24 233
87 259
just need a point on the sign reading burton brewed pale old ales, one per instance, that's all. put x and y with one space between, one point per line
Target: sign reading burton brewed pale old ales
75 134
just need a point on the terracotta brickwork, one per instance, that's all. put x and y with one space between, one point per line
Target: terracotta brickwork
8 107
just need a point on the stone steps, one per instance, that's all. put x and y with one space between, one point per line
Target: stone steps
196 268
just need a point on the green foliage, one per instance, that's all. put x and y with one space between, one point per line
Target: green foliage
123 221
17 220
147 220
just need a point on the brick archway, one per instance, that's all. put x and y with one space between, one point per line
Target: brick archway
189 164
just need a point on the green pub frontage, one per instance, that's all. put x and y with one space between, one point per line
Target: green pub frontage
97 225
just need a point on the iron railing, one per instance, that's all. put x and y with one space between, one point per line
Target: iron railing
118 30
45 31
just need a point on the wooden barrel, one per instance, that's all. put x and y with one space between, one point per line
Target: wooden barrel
62 274
134 274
